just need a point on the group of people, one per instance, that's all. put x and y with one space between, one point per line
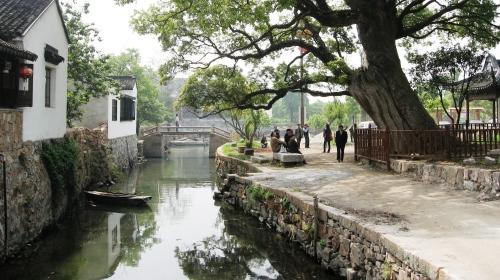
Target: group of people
293 138
291 141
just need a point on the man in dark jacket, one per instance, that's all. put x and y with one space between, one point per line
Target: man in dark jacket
340 141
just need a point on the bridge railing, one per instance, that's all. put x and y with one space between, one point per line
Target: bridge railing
195 129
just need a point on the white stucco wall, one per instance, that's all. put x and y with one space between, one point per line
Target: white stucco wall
95 113
119 128
40 122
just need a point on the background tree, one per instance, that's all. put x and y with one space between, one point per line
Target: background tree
88 69
353 110
150 110
200 33
223 84
317 121
336 113
447 73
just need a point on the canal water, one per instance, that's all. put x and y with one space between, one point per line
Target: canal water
184 234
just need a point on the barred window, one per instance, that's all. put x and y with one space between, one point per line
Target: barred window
127 108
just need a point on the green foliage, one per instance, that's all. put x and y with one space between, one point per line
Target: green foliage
336 113
215 89
317 121
259 193
88 69
150 110
288 107
59 159
253 33
315 108
386 270
322 243
285 203
436 74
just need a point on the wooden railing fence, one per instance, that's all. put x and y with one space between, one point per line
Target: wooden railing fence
448 142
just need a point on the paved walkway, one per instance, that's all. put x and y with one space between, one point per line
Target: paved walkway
449 229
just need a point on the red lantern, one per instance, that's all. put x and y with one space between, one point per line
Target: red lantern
25 72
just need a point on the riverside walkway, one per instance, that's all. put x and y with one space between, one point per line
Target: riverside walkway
449 229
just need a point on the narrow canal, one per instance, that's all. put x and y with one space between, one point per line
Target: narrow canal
184 235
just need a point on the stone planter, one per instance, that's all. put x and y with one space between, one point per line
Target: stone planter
249 151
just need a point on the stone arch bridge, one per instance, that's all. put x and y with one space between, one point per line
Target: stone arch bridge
157 138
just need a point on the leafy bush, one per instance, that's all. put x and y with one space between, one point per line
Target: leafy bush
259 193
59 159
285 203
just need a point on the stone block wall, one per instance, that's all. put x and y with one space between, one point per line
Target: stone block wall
342 245
11 128
228 165
33 204
124 151
29 198
484 181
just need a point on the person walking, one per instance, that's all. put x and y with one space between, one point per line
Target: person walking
306 135
340 141
327 137
177 122
299 133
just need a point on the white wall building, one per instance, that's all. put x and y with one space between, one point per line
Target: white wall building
117 113
37 26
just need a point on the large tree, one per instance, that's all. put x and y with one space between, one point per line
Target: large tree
200 33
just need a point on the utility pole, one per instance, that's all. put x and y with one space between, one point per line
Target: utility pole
302 114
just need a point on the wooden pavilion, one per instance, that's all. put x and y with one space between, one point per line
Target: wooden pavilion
485 85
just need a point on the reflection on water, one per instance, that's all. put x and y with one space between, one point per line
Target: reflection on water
183 235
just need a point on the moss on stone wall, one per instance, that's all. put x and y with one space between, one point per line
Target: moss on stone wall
59 158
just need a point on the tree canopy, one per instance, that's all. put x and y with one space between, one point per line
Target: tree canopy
88 69
207 91
150 110
447 74
264 35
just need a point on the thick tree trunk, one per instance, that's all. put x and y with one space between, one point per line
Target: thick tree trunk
380 86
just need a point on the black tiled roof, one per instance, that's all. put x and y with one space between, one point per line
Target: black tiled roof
16 16
11 49
127 82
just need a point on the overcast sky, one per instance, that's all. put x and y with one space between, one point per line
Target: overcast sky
112 21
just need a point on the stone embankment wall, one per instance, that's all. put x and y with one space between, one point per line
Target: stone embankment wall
342 244
484 181
33 204
228 165
124 150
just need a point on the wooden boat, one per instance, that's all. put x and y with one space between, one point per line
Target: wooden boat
117 198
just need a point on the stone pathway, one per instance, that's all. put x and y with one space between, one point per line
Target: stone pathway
449 229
